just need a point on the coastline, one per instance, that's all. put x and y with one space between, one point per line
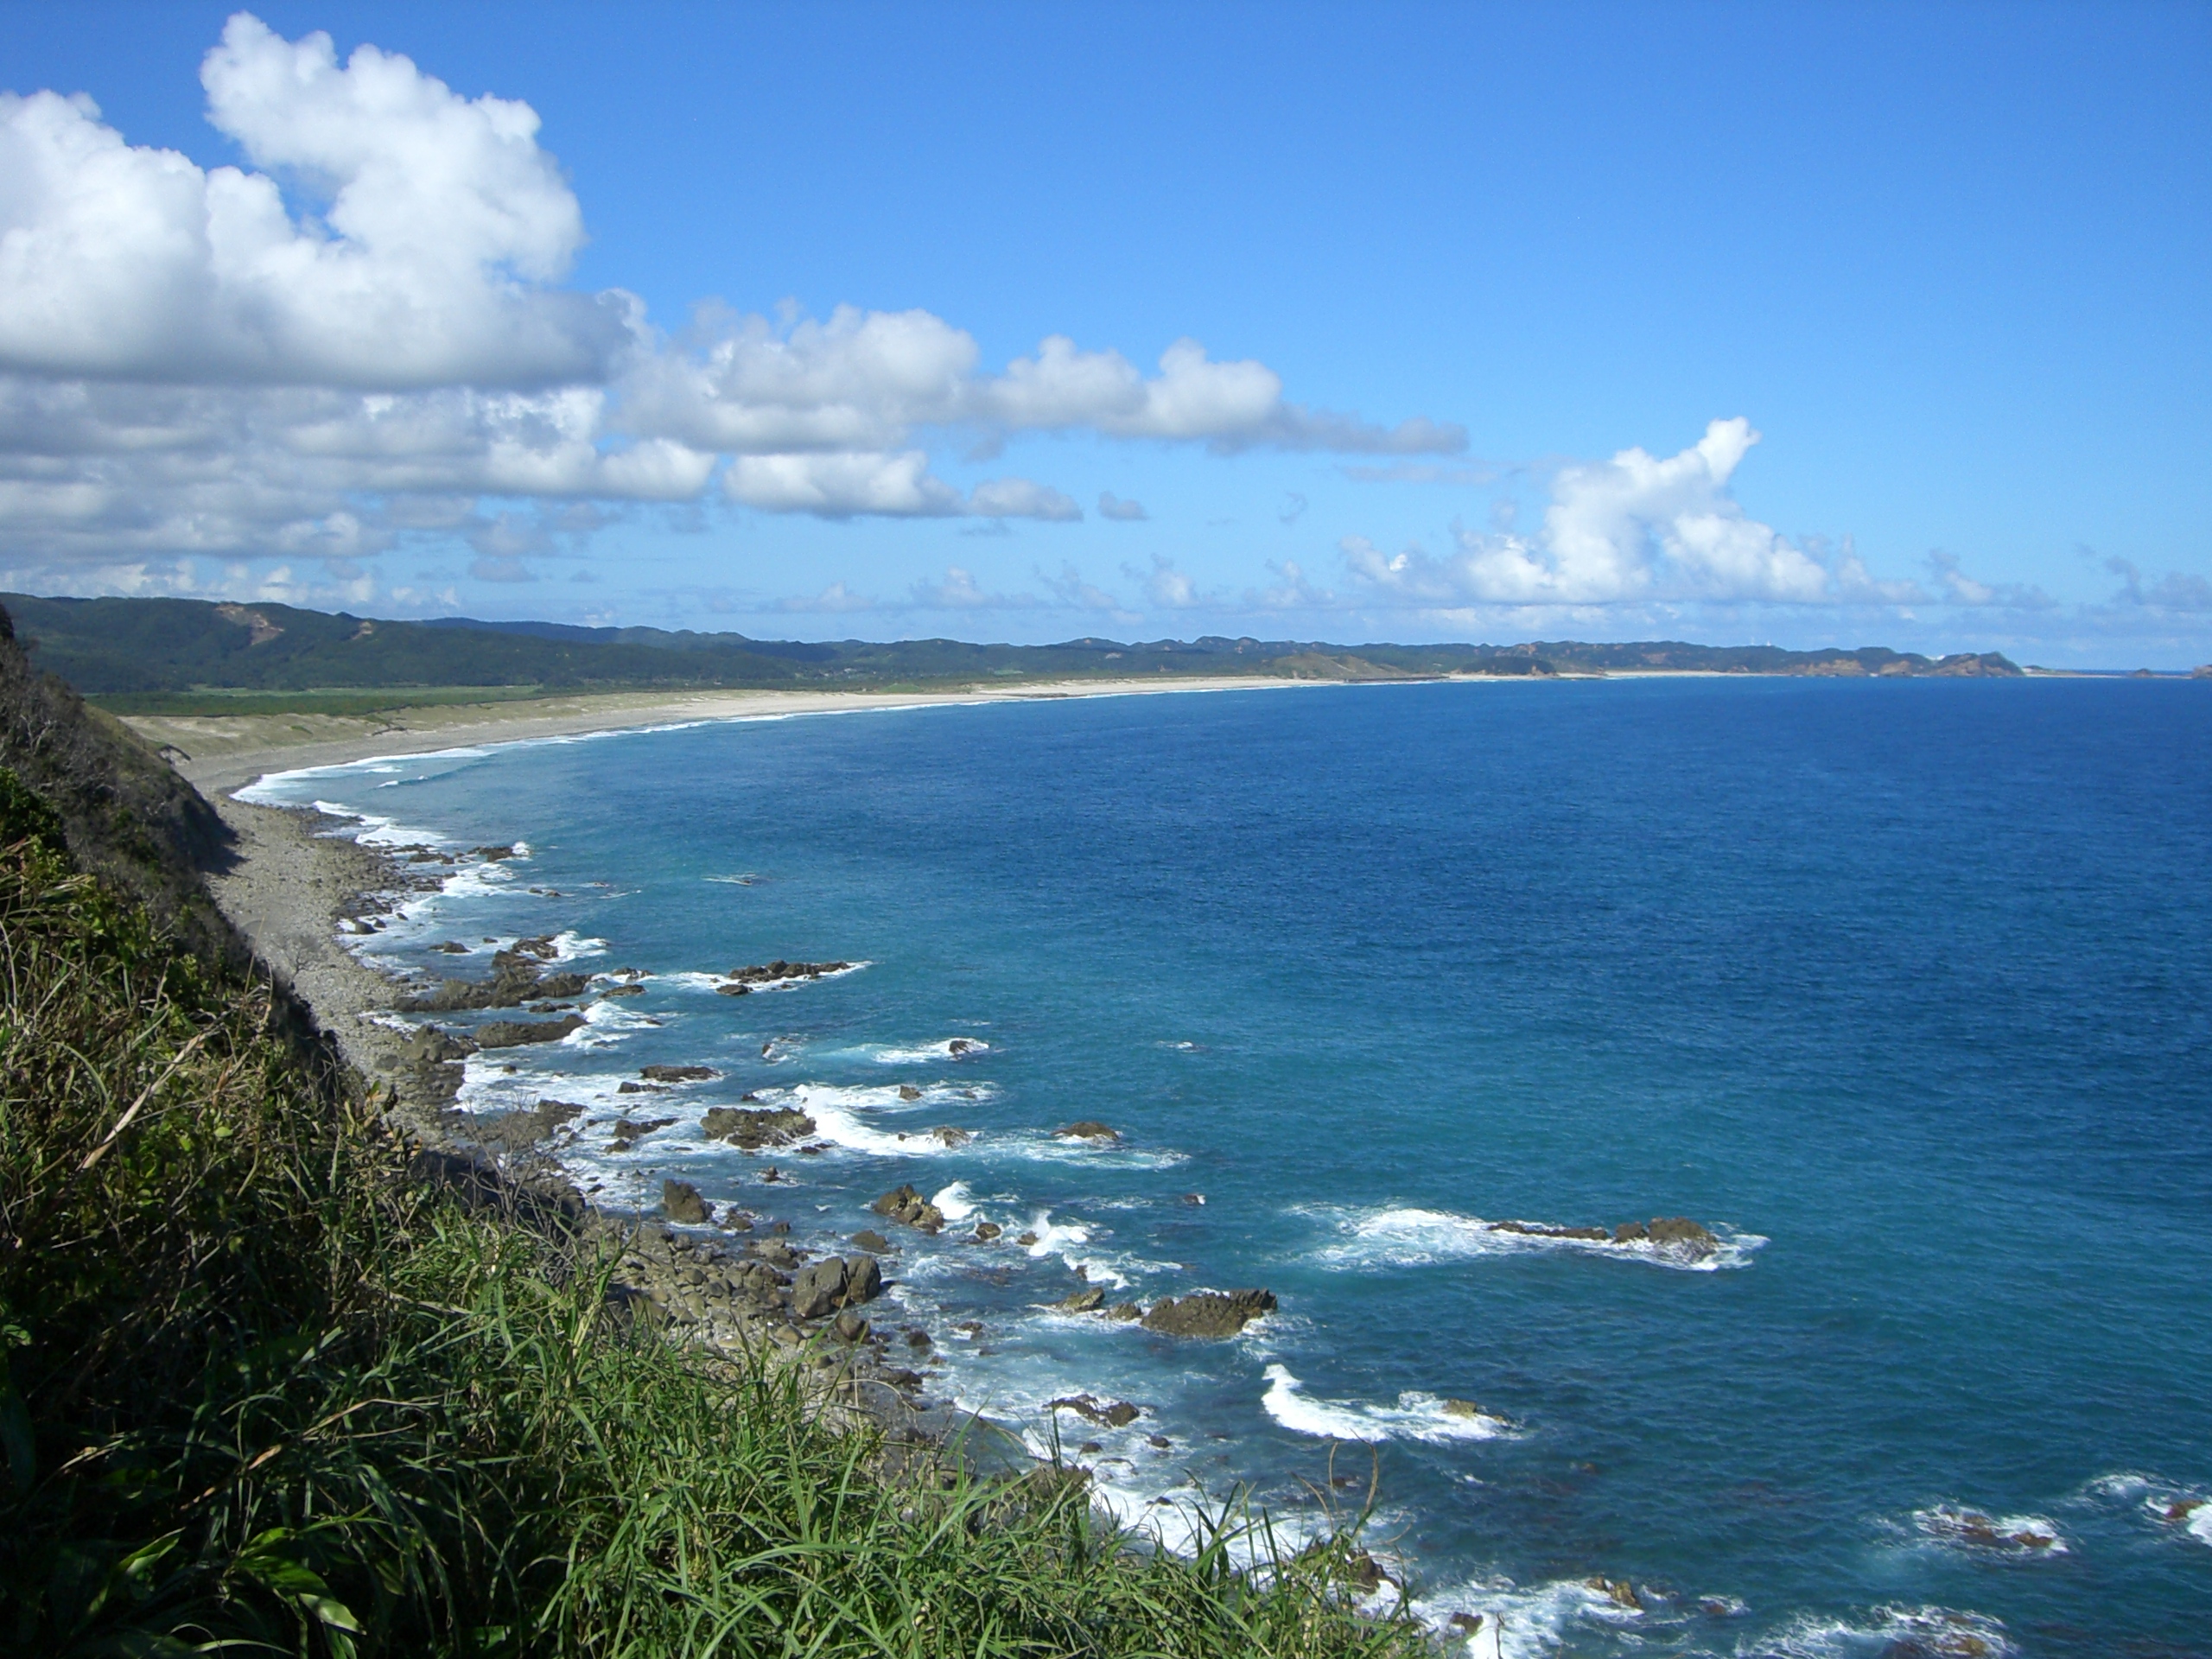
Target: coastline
295 877
220 754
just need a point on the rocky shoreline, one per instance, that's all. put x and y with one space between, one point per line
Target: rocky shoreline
730 1282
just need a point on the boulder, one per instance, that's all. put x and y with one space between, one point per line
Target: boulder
819 1288
1118 1415
903 1204
945 1135
750 1131
1463 1408
678 1073
515 1034
1089 1300
987 1230
868 1239
960 1045
1538 1230
1210 1313
863 1280
623 990
907 1091
1681 1235
850 1327
681 1203
1125 1311
1087 1130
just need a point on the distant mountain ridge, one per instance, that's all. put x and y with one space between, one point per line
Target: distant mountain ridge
174 655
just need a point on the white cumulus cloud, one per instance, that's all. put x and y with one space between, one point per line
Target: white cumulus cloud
1634 528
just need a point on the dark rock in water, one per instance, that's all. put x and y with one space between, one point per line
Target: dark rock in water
1125 1311
512 1131
678 1073
1466 1624
1209 1312
850 1327
1619 1591
1087 1130
1088 1447
1683 1237
863 1280
681 1203
945 1135
960 1045
1194 1198
1083 1301
1027 1240
734 1219
987 1230
771 1174
514 1033
1629 1232
918 1340
769 973
625 1087
904 1204
493 854
733 990
1118 1415
1537 1230
776 1254
750 1131
868 1239
819 1288
623 990
452 948
907 1091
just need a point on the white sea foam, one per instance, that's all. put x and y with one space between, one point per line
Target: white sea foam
1406 1236
1416 1416
2186 1510
1518 1622
2025 1536
957 1203
948 1048
1939 1632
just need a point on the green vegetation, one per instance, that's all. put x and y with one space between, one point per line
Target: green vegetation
190 656
261 1392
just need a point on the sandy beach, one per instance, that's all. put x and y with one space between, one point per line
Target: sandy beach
222 753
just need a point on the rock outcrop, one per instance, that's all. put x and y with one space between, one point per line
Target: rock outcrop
678 1073
1209 1314
515 1034
516 977
904 1204
834 1282
1089 1130
750 1131
681 1203
741 982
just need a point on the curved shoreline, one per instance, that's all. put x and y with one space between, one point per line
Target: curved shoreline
219 754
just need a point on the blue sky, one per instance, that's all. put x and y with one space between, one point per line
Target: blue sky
1849 324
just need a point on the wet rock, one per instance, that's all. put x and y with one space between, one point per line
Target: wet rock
1027 1240
515 1034
452 948
918 1340
1629 1232
1087 1301
681 1203
1463 1408
863 1280
735 1219
868 1239
750 1131
987 1230
512 1131
678 1073
1087 1130
904 1204
1120 1413
771 1174
1682 1237
1194 1198
850 1327
907 1091
493 854
819 1288
1538 1230
1159 1442
623 990
1620 1591
945 1135
1124 1311
1209 1314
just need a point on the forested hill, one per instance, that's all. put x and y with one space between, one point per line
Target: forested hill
153 655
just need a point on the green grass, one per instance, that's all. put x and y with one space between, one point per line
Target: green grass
338 700
259 1392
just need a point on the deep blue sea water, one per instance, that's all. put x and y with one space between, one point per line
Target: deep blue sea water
1905 988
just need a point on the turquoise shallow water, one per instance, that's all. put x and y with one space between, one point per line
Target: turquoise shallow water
1900 986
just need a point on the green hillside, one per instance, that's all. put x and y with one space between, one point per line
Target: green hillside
178 656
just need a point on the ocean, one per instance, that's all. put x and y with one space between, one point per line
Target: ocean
1903 989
